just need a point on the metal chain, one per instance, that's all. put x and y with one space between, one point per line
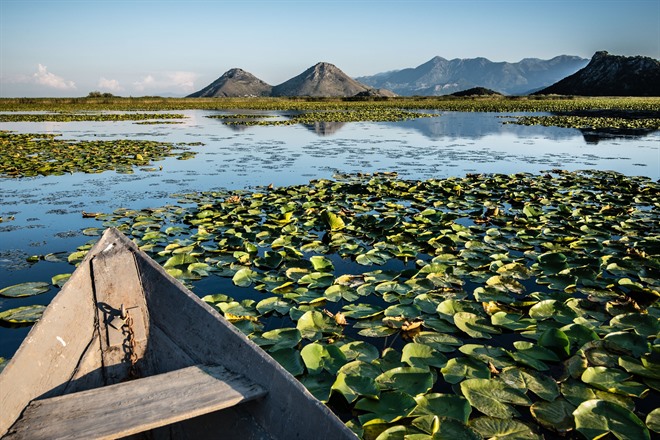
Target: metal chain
131 354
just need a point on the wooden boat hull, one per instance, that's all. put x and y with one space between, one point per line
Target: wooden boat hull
75 347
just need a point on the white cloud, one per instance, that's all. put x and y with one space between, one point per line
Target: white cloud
145 83
46 78
109 84
184 80
167 82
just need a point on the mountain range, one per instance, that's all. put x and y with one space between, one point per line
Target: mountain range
603 75
440 76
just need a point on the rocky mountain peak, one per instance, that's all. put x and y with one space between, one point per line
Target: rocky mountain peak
233 73
321 80
234 83
600 54
612 75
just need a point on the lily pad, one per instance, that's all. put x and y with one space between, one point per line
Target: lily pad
290 359
422 356
614 381
313 325
653 420
25 289
460 368
596 418
360 350
389 407
494 397
318 357
244 277
543 386
322 264
319 384
22 315
445 405
357 379
556 415
474 325
278 339
504 429
410 380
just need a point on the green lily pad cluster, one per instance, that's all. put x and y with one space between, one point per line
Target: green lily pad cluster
489 306
84 116
589 122
29 154
157 122
241 116
310 117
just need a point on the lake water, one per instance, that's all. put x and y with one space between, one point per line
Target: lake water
47 211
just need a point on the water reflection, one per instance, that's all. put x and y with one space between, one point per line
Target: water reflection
454 125
457 125
478 125
324 128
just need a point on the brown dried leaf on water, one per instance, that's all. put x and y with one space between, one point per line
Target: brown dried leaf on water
91 214
410 326
492 368
233 199
411 329
339 317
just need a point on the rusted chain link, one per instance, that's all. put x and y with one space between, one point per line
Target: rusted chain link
131 351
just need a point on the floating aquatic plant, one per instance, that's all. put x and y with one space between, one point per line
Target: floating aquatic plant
310 117
510 306
28 154
88 116
589 122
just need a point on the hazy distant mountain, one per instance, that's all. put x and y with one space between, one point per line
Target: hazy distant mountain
439 76
234 83
612 75
320 80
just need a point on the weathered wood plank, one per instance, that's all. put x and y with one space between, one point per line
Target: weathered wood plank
136 406
117 283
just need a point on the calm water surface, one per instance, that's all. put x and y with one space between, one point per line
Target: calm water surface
47 210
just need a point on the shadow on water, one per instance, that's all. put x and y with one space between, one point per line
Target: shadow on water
594 137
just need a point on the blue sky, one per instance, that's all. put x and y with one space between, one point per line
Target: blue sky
143 47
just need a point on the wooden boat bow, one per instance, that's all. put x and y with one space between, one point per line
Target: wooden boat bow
121 316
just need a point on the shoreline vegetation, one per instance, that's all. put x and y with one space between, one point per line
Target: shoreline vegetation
549 103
